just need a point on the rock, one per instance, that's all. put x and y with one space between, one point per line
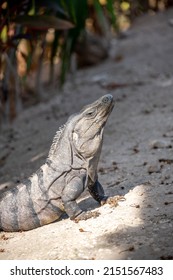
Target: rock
160 144
155 168
168 134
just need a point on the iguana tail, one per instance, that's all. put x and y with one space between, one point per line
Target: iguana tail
29 205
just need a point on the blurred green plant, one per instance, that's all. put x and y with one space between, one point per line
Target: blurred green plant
26 22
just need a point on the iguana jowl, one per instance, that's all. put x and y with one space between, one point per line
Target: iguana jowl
71 167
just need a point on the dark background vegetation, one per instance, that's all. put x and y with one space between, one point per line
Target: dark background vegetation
50 38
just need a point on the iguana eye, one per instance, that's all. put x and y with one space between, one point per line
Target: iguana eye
90 113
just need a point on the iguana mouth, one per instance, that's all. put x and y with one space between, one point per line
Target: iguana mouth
107 102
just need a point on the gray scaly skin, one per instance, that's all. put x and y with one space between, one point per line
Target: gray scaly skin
70 168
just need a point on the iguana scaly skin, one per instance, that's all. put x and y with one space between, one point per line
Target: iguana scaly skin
70 168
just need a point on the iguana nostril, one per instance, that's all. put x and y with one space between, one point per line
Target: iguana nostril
107 99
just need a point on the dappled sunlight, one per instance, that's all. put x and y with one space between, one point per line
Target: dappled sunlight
141 233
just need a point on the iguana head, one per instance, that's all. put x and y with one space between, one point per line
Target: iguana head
89 124
78 144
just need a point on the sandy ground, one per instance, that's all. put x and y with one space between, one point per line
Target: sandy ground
136 159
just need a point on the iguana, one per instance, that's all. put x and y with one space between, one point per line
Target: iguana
70 168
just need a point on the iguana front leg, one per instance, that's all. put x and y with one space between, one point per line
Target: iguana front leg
97 192
70 193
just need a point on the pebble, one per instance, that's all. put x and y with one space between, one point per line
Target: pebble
168 134
156 144
155 168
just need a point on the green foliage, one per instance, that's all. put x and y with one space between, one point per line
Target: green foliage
112 13
78 12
